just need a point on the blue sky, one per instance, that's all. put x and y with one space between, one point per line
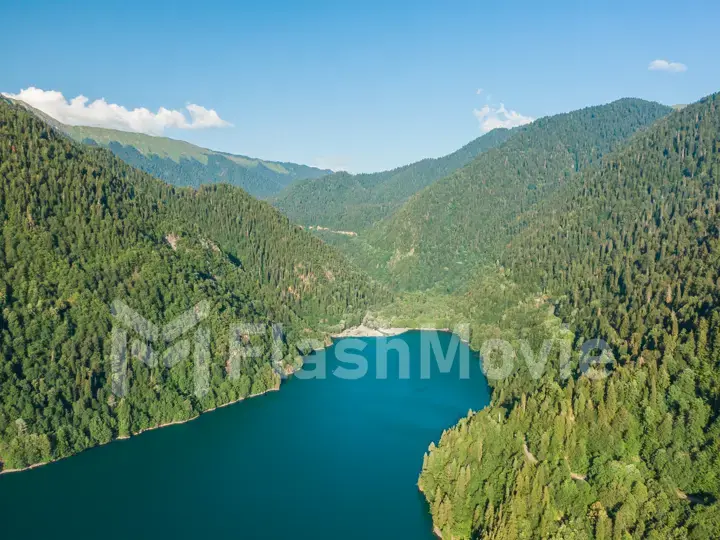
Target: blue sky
359 85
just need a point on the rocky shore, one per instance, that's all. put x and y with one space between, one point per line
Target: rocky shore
368 331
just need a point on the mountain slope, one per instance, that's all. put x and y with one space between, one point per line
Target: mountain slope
81 229
354 202
183 164
628 253
445 230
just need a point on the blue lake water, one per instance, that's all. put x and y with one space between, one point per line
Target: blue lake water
322 458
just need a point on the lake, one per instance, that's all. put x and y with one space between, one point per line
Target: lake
322 458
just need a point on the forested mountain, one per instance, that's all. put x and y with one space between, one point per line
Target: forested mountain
353 202
445 230
629 253
574 228
81 229
183 164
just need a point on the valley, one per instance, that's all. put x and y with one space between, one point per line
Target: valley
592 231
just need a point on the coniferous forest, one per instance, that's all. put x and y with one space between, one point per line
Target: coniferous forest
464 219
355 202
627 252
186 165
81 229
601 223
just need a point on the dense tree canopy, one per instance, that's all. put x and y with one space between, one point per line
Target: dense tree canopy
354 202
628 253
80 229
445 230
574 228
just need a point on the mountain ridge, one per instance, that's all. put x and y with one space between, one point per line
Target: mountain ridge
461 220
627 254
356 201
185 164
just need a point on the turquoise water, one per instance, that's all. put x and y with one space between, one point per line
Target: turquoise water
322 458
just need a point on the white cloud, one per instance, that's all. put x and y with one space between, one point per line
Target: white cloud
79 111
492 117
664 65
202 118
334 163
479 91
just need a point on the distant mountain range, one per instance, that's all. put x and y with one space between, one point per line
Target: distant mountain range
443 231
465 218
597 228
183 164
354 202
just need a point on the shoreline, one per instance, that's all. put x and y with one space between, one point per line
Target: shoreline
366 330
361 330
140 432
436 530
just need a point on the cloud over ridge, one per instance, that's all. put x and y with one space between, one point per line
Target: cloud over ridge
80 111
499 117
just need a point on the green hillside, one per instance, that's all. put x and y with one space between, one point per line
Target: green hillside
81 229
445 230
348 202
183 164
147 145
629 253
602 223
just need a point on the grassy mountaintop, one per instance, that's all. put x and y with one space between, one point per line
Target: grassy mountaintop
147 145
185 164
